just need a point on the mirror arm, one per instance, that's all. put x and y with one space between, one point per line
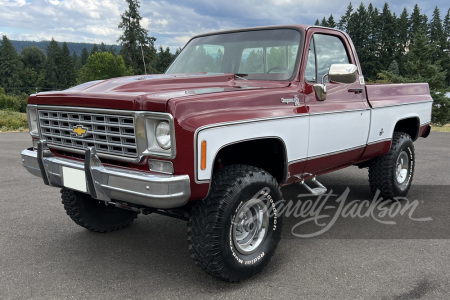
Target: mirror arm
321 89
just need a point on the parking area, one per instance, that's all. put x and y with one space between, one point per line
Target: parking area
44 255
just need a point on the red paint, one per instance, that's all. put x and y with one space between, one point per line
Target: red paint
197 100
424 129
393 94
374 150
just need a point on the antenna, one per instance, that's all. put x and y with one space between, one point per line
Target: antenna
145 68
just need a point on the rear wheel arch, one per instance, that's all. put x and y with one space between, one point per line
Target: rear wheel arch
408 125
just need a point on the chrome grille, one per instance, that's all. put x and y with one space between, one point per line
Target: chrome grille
108 133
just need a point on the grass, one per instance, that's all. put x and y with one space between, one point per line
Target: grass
13 121
445 128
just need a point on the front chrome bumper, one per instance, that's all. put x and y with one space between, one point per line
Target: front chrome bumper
109 183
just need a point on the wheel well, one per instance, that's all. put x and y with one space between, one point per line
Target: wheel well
409 126
268 154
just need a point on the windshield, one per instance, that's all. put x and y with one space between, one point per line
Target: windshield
254 55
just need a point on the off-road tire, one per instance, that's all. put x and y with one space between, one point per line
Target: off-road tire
212 234
93 214
383 170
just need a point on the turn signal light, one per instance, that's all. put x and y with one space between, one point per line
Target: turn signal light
203 162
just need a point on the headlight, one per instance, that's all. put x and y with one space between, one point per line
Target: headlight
162 133
155 133
32 120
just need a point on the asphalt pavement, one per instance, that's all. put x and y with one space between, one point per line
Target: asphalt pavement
44 255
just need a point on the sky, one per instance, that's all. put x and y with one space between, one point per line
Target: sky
171 22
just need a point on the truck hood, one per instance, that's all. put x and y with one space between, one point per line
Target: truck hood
147 92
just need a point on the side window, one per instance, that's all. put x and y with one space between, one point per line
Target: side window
310 70
329 50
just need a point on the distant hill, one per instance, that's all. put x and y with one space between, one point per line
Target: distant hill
77 47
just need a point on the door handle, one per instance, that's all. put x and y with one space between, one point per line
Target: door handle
356 91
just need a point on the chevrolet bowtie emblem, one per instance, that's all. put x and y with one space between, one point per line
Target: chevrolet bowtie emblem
79 130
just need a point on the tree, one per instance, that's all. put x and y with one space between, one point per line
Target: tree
134 37
33 58
11 66
402 42
66 68
437 36
51 65
164 60
419 65
418 21
94 49
103 65
393 68
84 56
331 22
324 22
342 25
387 42
446 59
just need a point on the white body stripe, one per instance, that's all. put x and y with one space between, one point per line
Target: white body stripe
338 131
310 136
292 131
386 117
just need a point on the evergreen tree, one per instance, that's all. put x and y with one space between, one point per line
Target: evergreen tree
324 22
52 63
164 59
446 60
94 50
84 56
342 25
387 41
103 47
317 23
437 36
66 68
393 68
11 67
331 22
418 21
419 65
134 39
402 25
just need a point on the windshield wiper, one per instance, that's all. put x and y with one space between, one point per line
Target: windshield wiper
240 76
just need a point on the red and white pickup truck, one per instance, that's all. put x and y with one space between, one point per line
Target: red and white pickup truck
238 114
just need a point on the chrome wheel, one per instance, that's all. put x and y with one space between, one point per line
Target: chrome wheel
402 166
250 225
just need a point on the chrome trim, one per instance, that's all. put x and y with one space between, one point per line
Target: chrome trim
297 161
400 104
339 111
109 183
33 107
336 152
379 141
140 126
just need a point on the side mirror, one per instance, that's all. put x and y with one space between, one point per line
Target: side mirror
338 73
343 73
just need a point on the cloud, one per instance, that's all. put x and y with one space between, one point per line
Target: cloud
172 22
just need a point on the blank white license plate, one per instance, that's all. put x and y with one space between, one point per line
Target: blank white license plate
74 179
